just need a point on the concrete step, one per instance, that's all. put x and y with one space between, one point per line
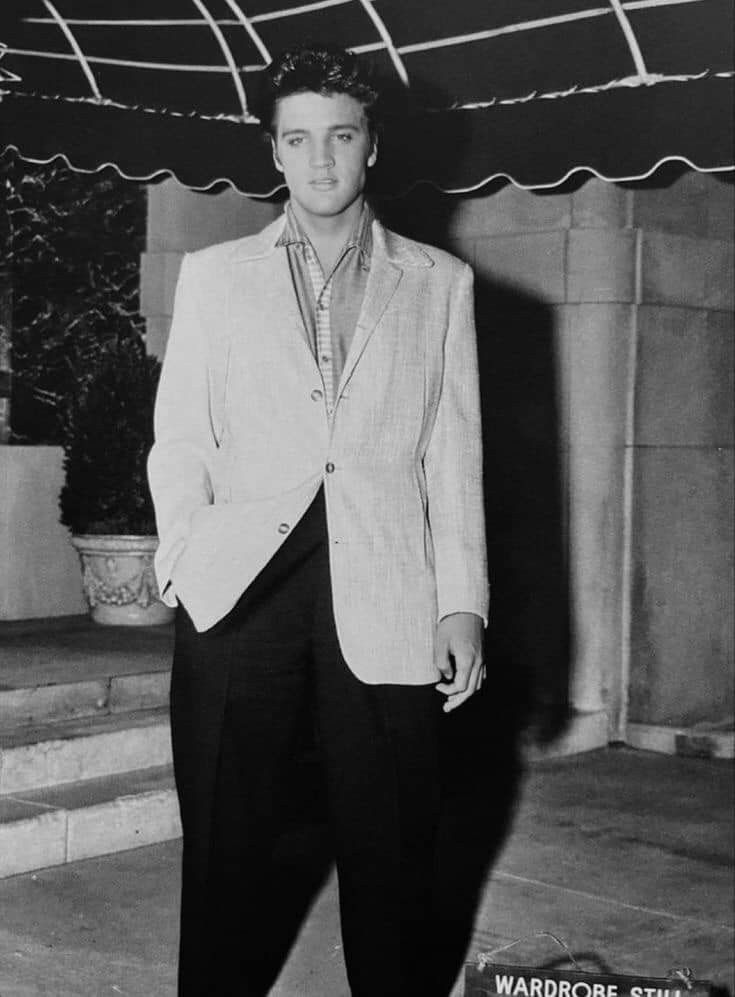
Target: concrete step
62 670
83 819
44 755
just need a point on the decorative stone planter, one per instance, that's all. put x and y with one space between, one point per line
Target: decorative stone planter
118 580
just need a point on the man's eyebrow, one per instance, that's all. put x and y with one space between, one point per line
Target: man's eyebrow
332 128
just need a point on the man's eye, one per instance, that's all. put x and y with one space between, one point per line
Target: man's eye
295 140
344 136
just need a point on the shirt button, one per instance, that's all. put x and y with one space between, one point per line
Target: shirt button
325 358
329 467
316 395
284 528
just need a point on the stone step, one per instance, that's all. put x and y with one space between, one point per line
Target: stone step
36 756
83 819
62 670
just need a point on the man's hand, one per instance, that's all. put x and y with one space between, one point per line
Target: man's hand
458 656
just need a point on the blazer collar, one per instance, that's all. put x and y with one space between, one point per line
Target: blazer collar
397 250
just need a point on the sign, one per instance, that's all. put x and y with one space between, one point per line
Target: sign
495 980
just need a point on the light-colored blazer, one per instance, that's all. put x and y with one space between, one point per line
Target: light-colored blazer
243 442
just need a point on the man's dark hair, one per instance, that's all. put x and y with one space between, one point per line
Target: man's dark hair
317 68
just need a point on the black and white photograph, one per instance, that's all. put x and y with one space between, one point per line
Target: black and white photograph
367 589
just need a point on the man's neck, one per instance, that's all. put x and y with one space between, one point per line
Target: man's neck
328 234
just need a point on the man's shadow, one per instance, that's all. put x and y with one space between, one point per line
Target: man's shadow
528 641
527 647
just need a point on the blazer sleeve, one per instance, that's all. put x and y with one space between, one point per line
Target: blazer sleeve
184 436
453 467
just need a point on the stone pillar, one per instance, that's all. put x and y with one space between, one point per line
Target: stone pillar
640 282
575 254
597 327
681 668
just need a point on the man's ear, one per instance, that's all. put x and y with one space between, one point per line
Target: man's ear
276 160
372 158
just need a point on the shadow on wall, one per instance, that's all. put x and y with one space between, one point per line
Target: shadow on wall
529 640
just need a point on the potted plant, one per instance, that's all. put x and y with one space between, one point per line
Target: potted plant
105 501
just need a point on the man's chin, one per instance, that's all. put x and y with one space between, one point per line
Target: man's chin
326 204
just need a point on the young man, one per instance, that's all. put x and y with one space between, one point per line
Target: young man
317 481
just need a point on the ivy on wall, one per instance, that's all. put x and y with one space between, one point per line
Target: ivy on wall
71 247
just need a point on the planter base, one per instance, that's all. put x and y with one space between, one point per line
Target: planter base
132 616
119 582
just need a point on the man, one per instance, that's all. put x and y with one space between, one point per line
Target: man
317 481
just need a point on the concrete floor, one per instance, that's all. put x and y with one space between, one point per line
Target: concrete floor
627 856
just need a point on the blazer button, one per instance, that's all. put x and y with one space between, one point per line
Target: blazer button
284 528
329 467
317 395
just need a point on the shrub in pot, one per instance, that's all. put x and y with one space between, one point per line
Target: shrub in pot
105 501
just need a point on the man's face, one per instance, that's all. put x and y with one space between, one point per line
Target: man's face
323 147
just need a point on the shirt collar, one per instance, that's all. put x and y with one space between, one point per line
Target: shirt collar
360 238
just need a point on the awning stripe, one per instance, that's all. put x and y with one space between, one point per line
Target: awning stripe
78 54
642 4
542 22
227 52
306 8
626 83
140 22
395 58
174 67
506 29
630 37
617 7
246 23
271 15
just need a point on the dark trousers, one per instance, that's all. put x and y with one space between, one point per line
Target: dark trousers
237 699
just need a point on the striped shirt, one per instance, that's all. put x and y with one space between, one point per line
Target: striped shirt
330 304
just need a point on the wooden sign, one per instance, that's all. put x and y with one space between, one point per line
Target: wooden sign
495 980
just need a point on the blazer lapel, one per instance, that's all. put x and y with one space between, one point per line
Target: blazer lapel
263 283
382 282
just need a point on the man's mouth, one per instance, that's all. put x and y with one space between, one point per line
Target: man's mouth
324 183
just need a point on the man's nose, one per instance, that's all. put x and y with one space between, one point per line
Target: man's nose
321 154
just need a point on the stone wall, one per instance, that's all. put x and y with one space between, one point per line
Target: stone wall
682 587
39 568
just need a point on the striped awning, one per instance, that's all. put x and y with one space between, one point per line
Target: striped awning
528 90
